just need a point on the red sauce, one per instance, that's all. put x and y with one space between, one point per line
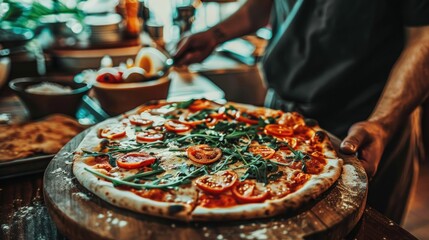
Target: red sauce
213 201
154 194
297 182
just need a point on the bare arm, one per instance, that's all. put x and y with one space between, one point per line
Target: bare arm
253 15
408 84
406 88
250 17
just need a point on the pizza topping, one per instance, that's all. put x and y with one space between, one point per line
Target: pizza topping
204 154
154 194
248 192
278 130
248 118
199 104
149 136
190 122
318 137
216 201
298 180
264 151
176 126
135 160
139 121
149 107
218 182
114 132
233 155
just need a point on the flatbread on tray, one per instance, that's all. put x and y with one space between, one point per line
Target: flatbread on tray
46 136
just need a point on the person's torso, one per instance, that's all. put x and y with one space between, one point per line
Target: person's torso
334 58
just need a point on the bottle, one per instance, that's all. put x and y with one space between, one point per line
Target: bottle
132 21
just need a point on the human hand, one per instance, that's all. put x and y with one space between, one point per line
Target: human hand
195 48
368 139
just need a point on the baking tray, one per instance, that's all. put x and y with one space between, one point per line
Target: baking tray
24 166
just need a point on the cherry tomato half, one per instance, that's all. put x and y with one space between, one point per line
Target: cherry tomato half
247 118
176 126
135 160
199 105
139 121
192 122
264 151
148 136
204 154
218 182
148 108
109 75
113 132
278 130
247 192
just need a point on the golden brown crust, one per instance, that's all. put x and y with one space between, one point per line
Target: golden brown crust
311 189
42 137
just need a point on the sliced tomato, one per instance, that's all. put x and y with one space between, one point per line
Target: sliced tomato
264 151
204 154
176 126
247 118
114 132
278 130
211 122
219 115
139 121
149 136
192 122
298 180
199 105
247 192
147 108
135 160
218 182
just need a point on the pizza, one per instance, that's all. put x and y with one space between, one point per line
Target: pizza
198 160
46 136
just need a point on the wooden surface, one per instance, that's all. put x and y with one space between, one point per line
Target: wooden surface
24 215
81 215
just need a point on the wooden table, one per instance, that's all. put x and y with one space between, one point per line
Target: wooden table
25 216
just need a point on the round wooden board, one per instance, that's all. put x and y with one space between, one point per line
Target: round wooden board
80 214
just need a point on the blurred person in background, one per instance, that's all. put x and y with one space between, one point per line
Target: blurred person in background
358 67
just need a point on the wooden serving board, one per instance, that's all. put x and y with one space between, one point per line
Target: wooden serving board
81 215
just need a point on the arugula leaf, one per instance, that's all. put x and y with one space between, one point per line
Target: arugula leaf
301 157
184 104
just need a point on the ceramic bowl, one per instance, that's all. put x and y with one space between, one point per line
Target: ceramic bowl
117 98
42 104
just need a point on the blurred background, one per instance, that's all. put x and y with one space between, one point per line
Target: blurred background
88 42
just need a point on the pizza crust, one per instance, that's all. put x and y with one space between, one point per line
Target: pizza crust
314 187
124 199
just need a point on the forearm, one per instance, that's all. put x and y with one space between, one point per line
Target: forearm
408 83
253 15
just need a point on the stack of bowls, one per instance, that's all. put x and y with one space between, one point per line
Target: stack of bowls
105 29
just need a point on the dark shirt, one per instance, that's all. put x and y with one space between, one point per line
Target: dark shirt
334 58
